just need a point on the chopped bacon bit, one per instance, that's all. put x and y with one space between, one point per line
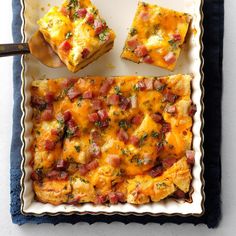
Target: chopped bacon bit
158 85
64 11
114 160
169 97
114 99
171 109
113 198
73 93
101 199
124 103
141 85
85 53
82 12
83 170
165 128
65 46
90 18
156 171
133 43
134 140
169 58
192 110
99 27
92 165
160 147
190 154
49 97
141 51
96 104
93 117
103 114
106 86
168 162
95 150
49 145
134 101
144 15
179 194
121 196
47 115
61 165
95 136
147 59
148 83
123 136
137 119
177 37
57 175
67 116
87 94
157 117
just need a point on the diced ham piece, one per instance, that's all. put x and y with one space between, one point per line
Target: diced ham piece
192 110
147 59
171 109
49 145
106 86
93 117
137 119
49 97
64 11
58 175
177 37
179 193
83 170
47 115
134 140
190 154
73 92
71 124
114 160
96 104
85 53
99 27
90 18
92 165
168 162
123 136
157 117
103 114
158 85
38 103
156 171
124 103
67 116
82 12
113 99
144 15
141 51
165 128
113 198
170 58
87 94
141 85
95 136
148 83
101 199
69 82
133 43
169 97
134 101
95 150
65 46
121 197
61 165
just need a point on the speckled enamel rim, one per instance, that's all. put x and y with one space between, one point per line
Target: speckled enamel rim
101 212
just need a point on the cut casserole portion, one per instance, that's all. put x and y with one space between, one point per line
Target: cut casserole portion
156 36
77 33
108 140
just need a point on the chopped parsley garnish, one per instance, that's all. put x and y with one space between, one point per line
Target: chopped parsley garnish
94 11
125 152
38 132
142 139
77 148
98 123
133 31
136 87
173 43
117 90
155 134
75 16
161 185
68 35
69 133
136 159
103 36
72 4
84 180
124 124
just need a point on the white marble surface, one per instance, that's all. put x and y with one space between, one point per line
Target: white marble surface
227 225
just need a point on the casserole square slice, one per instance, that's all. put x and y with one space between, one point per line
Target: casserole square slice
156 36
77 33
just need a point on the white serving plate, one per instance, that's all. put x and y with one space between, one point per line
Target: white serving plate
119 15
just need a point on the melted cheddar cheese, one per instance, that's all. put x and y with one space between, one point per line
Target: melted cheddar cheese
156 36
77 33
117 139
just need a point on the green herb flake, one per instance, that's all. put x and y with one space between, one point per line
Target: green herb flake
117 90
124 124
136 87
173 43
69 133
133 31
155 134
142 139
104 35
77 148
37 132
161 185
68 35
84 180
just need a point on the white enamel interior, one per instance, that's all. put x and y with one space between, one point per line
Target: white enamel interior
119 15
